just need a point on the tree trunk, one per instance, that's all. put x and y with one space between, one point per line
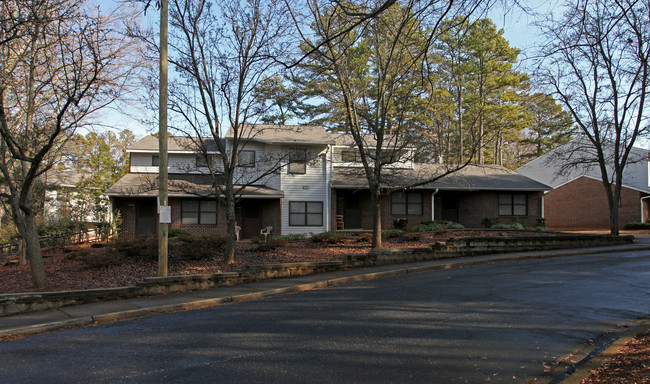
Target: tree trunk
22 252
612 201
460 126
33 248
481 151
375 199
231 218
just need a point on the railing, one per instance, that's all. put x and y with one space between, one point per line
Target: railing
10 251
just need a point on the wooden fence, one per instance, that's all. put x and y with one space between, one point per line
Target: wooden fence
11 251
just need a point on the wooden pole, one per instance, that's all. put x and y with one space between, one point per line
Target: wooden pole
162 140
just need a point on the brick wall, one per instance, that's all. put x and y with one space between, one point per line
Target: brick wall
271 215
126 209
582 204
475 206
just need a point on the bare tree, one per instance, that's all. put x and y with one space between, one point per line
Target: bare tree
59 63
222 51
597 63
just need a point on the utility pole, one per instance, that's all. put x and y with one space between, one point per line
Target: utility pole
164 214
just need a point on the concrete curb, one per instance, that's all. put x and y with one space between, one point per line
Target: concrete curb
206 303
594 363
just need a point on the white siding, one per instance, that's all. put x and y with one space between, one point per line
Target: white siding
177 163
313 186
406 161
247 175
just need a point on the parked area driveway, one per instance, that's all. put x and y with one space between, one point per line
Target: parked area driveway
505 322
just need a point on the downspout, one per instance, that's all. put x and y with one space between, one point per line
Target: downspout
643 219
329 168
433 205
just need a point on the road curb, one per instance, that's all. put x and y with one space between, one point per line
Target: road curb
594 363
46 327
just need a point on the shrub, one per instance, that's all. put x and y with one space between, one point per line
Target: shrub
637 226
196 247
490 222
331 237
437 225
60 227
392 233
288 238
540 223
513 226
411 236
143 248
176 232
363 237
400 223
270 245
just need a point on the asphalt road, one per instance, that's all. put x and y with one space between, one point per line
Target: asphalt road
503 322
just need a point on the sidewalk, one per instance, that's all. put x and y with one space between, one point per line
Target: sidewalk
96 313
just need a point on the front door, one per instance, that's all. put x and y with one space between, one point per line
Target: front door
145 217
251 221
351 212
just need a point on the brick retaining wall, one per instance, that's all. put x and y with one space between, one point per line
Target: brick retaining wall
31 302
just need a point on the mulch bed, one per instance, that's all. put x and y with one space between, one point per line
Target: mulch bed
630 365
68 273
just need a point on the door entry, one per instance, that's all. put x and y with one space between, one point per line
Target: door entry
145 217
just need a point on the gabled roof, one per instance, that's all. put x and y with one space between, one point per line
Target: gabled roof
179 185
176 144
548 168
285 134
470 178
63 178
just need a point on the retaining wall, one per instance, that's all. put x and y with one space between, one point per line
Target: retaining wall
30 302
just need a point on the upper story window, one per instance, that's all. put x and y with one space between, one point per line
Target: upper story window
406 203
350 156
246 159
155 161
513 204
298 161
202 161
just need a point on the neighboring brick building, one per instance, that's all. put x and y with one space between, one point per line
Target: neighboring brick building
578 200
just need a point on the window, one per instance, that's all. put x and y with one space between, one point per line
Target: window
155 161
201 160
513 204
246 159
306 213
349 156
298 161
406 203
199 212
